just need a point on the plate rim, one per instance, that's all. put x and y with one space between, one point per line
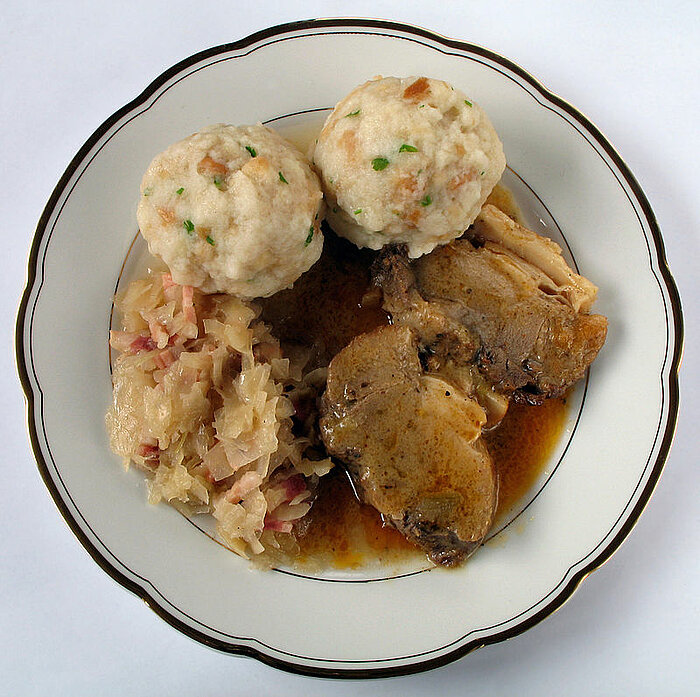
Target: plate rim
674 325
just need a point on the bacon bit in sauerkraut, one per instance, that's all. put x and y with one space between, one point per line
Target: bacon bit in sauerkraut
277 525
200 405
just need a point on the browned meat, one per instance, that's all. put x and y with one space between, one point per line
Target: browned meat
478 301
411 443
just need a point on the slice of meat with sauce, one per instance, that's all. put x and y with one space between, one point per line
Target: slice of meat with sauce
504 300
411 442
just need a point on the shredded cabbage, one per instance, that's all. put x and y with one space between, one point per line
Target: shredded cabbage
199 404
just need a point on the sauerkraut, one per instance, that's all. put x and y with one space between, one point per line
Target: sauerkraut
203 400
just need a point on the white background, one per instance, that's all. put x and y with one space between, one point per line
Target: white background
632 67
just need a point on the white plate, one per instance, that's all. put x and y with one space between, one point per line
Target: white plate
572 186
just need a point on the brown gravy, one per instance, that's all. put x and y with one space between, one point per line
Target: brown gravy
329 305
521 446
503 199
343 533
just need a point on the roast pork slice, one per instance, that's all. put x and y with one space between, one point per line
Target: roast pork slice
477 301
411 443
554 276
